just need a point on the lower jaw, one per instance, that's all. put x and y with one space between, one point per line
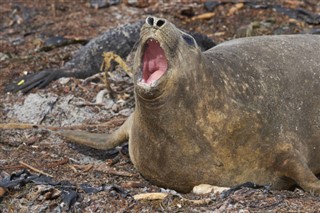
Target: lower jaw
152 85
149 83
148 90
147 86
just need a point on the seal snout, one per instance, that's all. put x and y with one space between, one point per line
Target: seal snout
155 22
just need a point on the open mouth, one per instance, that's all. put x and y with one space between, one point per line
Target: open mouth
154 62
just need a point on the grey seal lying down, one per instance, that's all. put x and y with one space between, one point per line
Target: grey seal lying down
88 59
245 110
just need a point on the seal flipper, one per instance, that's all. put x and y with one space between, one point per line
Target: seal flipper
87 61
295 169
100 141
39 79
97 141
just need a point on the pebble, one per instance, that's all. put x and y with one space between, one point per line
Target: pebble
3 56
64 80
2 191
115 108
206 188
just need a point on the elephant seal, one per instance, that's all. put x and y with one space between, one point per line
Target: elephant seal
245 110
87 61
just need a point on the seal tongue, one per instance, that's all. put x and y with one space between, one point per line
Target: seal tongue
155 63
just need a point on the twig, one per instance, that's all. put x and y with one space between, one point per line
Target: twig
92 78
197 202
100 95
83 168
53 6
119 173
74 160
203 16
115 121
57 163
50 165
89 104
73 168
18 126
34 169
113 172
106 65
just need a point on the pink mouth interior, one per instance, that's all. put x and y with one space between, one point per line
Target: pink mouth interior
155 63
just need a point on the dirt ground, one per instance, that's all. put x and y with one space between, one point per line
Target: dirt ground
24 28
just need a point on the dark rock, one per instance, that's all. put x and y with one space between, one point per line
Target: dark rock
315 31
308 16
251 185
69 197
188 12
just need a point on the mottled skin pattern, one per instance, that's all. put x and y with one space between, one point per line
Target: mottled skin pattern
87 61
245 110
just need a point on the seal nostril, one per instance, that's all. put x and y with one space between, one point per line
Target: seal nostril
160 23
150 21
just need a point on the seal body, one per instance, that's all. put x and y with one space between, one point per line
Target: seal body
87 61
245 110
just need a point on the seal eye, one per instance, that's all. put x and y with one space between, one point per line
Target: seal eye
190 41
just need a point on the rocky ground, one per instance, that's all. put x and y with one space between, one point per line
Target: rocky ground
87 180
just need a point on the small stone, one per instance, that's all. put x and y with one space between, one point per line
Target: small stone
140 3
206 188
2 191
3 56
150 196
132 184
64 81
125 112
109 103
202 189
115 108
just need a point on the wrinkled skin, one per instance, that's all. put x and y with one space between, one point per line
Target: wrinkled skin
245 110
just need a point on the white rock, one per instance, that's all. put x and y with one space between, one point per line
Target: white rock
64 80
206 188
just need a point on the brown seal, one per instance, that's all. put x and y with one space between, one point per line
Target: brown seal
245 110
